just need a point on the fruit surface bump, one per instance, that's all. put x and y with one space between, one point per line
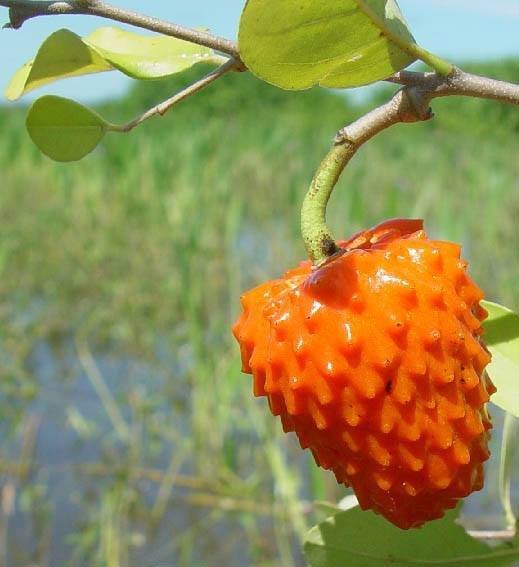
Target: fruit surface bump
375 359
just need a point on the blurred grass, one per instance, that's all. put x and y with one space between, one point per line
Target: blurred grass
126 269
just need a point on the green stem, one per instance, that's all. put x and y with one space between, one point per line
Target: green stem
407 105
441 66
317 237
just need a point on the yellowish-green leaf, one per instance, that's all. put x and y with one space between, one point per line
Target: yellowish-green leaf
63 129
502 339
148 56
296 44
63 54
361 539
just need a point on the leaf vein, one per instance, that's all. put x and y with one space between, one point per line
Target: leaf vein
310 23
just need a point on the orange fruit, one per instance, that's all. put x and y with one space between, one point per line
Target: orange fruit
375 360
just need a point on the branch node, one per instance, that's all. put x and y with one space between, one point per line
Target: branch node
342 137
240 66
22 10
16 19
329 247
415 105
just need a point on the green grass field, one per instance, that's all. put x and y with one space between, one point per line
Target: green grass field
129 434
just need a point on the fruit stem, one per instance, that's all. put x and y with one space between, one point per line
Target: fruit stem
407 105
317 237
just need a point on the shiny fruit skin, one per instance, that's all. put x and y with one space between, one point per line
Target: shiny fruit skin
375 360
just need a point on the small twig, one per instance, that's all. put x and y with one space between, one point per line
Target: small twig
459 83
508 454
420 89
496 535
22 10
168 104
409 104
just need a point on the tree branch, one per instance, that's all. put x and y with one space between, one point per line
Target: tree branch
459 83
163 107
22 10
410 104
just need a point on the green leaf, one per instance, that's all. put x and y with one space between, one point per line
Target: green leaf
63 129
148 56
296 44
502 339
63 54
509 450
362 539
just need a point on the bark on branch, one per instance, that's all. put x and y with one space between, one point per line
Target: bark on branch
410 104
458 83
22 10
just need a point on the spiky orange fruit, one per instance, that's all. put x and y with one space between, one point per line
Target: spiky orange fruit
375 360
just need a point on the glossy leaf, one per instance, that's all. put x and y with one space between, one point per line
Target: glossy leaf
296 44
63 54
63 129
509 449
148 56
362 539
502 339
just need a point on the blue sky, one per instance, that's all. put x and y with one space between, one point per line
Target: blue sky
455 29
